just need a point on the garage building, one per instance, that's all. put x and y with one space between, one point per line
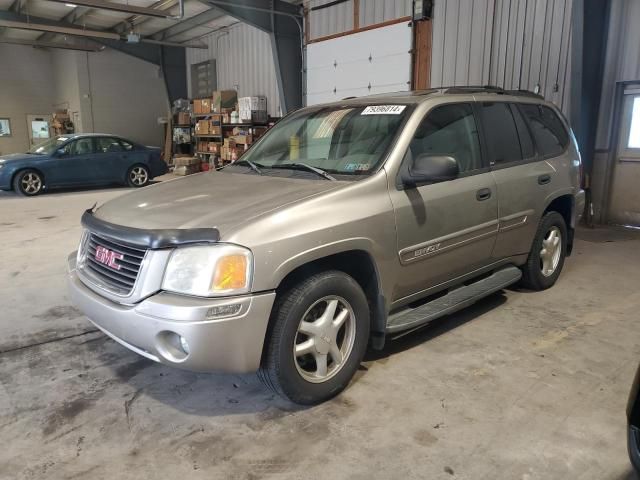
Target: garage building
107 97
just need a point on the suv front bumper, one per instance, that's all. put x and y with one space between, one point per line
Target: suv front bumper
152 327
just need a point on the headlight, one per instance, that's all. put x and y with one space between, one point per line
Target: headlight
81 256
208 271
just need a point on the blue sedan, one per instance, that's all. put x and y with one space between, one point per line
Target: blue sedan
80 160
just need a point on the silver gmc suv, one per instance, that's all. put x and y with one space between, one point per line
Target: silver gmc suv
346 224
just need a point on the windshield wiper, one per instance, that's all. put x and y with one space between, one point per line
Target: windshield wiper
304 166
253 166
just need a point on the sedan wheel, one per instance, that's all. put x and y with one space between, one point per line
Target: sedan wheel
28 182
138 176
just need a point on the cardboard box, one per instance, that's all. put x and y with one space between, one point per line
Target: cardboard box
253 109
184 118
224 99
202 106
202 127
243 139
215 129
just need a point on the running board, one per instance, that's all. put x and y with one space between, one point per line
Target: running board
453 301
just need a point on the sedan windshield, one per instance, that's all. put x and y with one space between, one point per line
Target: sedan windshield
345 140
48 147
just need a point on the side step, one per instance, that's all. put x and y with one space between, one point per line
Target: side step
455 300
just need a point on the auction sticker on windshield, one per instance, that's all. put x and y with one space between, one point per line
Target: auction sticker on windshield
383 110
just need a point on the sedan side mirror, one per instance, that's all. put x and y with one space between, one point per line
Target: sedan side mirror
61 152
427 168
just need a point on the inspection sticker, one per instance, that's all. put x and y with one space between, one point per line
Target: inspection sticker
383 110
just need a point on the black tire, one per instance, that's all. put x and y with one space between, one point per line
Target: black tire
138 176
532 272
28 182
280 369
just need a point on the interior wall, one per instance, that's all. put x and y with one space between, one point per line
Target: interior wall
66 93
122 95
244 62
25 88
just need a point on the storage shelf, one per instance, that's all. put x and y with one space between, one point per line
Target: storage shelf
207 136
205 153
182 125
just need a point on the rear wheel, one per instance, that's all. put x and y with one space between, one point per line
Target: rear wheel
548 252
28 182
318 338
138 176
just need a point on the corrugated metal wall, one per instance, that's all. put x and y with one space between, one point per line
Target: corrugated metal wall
330 20
378 11
244 62
339 18
514 44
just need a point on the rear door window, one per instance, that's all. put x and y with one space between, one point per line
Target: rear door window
108 145
548 131
501 133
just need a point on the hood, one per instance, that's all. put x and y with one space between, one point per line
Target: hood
16 157
214 199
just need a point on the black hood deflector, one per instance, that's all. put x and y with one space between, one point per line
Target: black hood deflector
157 238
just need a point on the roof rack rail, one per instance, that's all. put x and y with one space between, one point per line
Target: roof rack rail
490 89
523 93
473 89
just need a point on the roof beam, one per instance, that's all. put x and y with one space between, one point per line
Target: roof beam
81 32
72 17
186 25
117 7
86 47
133 21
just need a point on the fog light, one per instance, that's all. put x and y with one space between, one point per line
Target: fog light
184 345
223 310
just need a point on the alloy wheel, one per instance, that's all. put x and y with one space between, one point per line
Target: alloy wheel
31 183
551 251
138 176
325 339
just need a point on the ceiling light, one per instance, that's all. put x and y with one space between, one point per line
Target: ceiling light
70 5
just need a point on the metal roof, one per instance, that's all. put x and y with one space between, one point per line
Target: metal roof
200 18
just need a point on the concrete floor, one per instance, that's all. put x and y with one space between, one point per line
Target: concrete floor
520 386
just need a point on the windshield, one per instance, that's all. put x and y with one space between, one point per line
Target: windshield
48 147
342 140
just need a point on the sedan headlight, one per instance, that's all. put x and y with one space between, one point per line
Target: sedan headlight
208 271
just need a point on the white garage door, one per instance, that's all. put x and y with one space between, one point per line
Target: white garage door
364 63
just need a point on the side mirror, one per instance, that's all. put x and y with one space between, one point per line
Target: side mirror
430 169
61 152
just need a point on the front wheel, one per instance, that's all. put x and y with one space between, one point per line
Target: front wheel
138 176
318 338
547 255
28 182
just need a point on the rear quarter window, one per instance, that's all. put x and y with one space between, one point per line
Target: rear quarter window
549 133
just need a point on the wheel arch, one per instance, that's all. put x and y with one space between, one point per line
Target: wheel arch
564 204
358 263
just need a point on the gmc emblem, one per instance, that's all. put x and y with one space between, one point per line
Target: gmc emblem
108 257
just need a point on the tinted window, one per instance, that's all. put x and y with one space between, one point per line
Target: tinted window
503 143
108 145
526 142
449 130
81 146
548 131
126 145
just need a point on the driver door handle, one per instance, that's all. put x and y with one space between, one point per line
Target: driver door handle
483 194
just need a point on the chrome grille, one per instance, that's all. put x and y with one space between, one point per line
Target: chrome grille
120 281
